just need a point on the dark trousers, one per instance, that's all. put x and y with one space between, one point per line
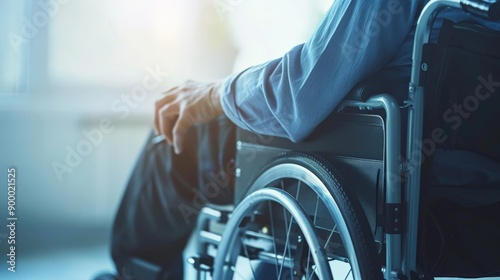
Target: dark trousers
165 192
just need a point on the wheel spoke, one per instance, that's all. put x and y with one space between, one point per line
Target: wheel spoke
330 236
314 221
249 260
298 190
287 241
316 209
274 238
350 270
308 260
312 273
237 272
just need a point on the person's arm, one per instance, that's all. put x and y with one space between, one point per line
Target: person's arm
291 95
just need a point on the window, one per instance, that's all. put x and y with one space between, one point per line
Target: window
14 46
68 46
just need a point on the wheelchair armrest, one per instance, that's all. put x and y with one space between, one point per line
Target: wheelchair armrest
367 88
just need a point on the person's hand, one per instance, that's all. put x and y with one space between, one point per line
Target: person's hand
184 106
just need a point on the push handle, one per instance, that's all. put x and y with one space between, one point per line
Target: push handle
487 9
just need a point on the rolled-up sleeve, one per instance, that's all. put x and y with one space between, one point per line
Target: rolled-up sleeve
291 95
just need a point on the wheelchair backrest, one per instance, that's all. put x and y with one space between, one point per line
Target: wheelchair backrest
461 75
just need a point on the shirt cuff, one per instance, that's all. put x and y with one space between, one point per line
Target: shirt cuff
228 100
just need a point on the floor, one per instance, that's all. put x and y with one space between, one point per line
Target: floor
74 264
81 260
73 254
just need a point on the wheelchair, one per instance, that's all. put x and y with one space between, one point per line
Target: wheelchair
344 203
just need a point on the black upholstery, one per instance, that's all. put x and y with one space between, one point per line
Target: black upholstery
352 143
464 71
462 91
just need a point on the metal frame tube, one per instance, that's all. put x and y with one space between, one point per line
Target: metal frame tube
415 124
393 172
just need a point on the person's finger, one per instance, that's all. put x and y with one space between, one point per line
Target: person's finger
157 122
179 131
170 90
169 95
167 125
159 104
168 118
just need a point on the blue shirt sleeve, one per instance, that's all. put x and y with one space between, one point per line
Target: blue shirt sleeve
290 96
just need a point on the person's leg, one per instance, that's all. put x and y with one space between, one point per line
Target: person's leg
166 191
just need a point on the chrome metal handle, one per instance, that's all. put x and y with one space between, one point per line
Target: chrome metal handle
486 9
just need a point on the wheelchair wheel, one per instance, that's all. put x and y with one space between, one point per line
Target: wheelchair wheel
297 222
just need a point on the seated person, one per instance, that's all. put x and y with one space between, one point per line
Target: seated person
286 97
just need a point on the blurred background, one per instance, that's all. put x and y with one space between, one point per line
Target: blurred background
78 79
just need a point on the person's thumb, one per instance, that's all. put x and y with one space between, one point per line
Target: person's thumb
179 131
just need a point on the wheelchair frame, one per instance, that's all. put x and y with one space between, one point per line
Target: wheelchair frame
402 214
